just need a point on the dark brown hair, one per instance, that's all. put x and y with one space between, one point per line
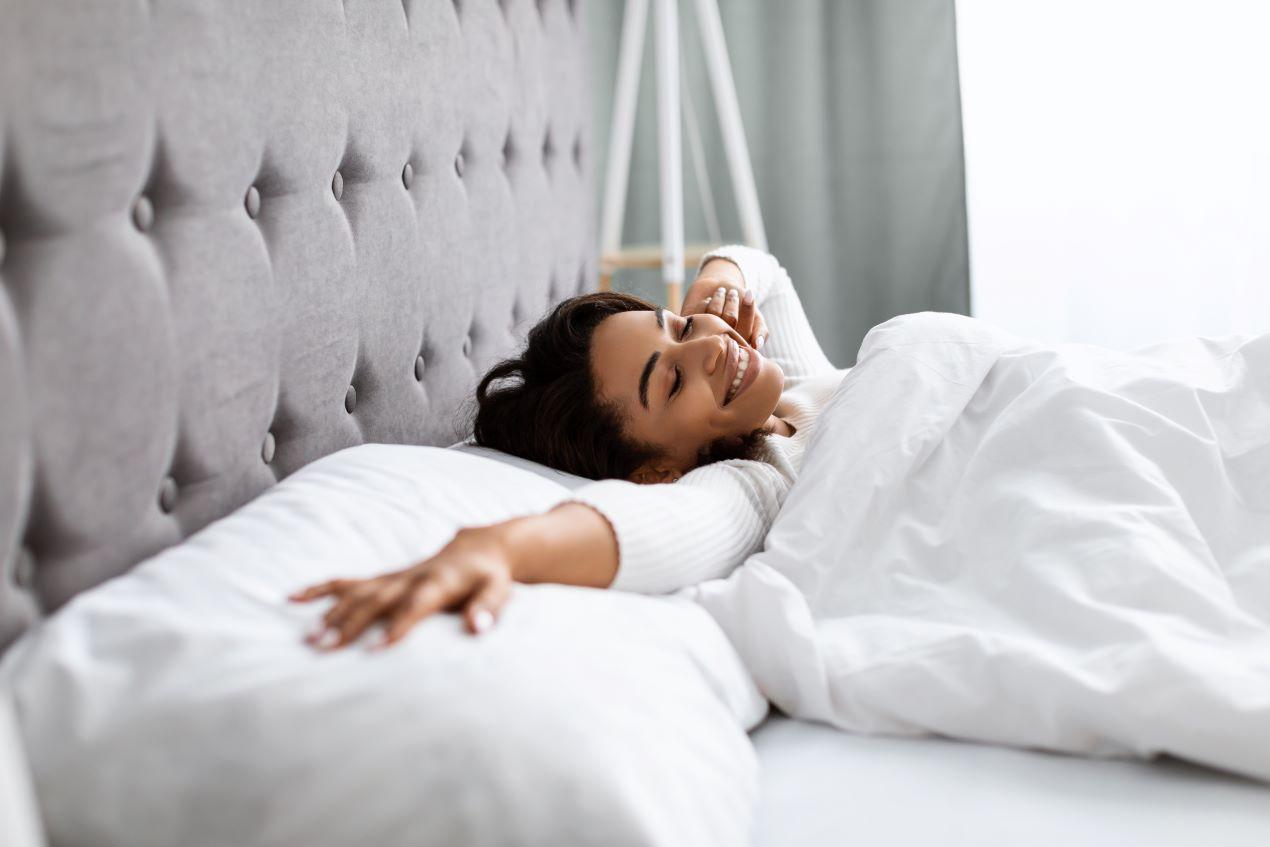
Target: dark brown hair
547 407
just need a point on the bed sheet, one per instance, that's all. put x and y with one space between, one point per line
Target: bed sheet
822 786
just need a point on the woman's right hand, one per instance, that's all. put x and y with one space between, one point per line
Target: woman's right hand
722 293
472 573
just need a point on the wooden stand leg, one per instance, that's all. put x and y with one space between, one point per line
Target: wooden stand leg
669 146
729 111
674 296
622 133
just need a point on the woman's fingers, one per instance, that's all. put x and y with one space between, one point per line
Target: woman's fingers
473 573
731 306
350 598
437 591
760 332
483 607
313 592
746 316
328 632
351 627
369 608
715 303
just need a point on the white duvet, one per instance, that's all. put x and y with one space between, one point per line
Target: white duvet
1065 548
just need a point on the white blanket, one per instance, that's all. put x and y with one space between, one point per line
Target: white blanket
1064 548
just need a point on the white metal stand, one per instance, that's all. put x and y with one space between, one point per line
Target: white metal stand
672 252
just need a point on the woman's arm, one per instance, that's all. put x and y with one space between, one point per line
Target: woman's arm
571 544
645 538
669 536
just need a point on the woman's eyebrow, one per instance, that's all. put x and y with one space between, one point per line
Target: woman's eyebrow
651 363
643 378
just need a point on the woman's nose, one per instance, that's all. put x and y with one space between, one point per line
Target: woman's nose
714 351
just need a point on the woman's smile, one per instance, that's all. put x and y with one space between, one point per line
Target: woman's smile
745 364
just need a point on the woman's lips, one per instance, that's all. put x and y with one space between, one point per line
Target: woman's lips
751 371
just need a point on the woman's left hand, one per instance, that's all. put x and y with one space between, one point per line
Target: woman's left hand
473 572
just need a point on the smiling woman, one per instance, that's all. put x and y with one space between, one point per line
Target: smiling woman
689 386
615 388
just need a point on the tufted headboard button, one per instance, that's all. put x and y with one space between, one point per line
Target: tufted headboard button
350 399
24 568
143 213
419 367
407 176
267 448
167 495
252 202
337 185
458 165
467 346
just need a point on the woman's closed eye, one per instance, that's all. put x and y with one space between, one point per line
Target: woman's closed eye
679 377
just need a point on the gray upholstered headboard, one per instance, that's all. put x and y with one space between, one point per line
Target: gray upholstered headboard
238 235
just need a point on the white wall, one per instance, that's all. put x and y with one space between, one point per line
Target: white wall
1117 166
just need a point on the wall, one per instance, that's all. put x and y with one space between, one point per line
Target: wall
1118 166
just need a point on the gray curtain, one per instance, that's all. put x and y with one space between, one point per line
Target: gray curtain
853 117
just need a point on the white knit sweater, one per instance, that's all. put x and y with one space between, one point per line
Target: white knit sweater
701 527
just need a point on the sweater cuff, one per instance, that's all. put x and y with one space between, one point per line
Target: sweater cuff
754 265
638 531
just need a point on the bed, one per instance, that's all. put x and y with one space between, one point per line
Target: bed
241 242
818 783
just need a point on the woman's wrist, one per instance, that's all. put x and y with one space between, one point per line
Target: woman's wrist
572 544
720 267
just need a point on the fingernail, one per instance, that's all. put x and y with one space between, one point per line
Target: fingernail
329 639
749 297
482 620
762 339
718 292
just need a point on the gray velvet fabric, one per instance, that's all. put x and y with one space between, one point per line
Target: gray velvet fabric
238 236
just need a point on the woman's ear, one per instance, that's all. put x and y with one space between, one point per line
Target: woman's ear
654 474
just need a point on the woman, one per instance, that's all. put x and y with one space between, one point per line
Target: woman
615 389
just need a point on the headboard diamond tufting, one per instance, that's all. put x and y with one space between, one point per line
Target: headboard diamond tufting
238 236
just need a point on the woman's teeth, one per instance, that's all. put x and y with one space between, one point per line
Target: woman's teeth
743 357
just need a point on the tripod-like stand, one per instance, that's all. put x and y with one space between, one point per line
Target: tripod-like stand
673 255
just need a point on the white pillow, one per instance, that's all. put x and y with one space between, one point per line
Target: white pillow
568 480
177 704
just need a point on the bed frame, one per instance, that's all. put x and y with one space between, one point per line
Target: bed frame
236 236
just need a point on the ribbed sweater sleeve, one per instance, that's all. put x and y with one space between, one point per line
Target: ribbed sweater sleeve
702 527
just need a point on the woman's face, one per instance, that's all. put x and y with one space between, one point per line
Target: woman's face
674 381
